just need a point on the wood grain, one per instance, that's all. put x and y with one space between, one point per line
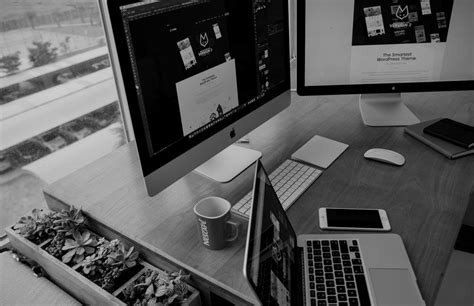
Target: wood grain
425 199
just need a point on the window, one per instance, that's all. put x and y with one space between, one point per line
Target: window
59 108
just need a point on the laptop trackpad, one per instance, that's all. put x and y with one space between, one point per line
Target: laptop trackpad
394 287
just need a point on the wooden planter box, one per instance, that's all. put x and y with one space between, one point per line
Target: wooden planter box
72 281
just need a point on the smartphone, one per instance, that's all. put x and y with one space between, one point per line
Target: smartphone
452 131
358 219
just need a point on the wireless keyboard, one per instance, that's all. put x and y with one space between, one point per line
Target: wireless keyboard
289 180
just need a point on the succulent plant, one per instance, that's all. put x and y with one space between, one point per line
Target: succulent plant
82 244
123 258
37 227
69 221
155 287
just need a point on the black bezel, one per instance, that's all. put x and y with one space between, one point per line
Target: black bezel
149 164
304 90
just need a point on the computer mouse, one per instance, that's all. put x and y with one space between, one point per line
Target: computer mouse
385 156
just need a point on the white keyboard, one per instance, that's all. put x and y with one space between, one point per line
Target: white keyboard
289 180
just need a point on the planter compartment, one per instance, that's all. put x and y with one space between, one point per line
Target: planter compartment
72 280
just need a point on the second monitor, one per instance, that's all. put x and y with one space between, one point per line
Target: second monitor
381 48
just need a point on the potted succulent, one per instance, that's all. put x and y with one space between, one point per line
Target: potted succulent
156 287
77 258
110 264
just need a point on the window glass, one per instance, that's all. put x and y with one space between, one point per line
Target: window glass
58 100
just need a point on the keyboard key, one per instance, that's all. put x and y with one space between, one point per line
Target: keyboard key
346 263
329 276
312 286
319 280
328 269
322 303
356 262
318 259
330 283
343 246
348 270
349 278
362 289
320 287
342 297
331 291
312 293
339 281
341 289
358 269
326 255
337 267
350 285
319 272
311 270
345 257
353 302
336 260
321 295
332 299
353 249
357 254
325 243
327 262
316 244
338 274
326 249
317 252
354 242
334 245
351 293
318 265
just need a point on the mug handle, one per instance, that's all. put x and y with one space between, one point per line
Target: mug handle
235 229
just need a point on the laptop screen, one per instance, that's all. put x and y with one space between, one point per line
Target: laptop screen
270 255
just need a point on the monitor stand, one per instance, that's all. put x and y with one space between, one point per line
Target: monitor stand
385 110
229 163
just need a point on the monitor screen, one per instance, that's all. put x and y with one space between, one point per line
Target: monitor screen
192 69
411 45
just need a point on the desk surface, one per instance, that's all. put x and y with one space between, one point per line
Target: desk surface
425 199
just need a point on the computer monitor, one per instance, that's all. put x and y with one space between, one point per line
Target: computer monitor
197 76
380 48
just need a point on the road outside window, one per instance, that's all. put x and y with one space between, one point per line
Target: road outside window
58 101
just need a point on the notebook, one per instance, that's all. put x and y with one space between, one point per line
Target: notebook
339 269
448 149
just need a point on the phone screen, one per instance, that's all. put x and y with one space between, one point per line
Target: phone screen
360 218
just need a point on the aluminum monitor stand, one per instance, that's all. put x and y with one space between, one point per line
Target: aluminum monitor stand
385 110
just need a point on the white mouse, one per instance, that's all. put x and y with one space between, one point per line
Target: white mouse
385 156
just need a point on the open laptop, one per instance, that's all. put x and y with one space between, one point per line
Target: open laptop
329 269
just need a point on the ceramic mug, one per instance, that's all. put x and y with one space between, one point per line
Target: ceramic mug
214 225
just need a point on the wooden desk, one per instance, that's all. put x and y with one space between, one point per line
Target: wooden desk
425 199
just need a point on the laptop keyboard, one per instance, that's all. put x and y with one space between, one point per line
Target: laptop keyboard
336 273
289 180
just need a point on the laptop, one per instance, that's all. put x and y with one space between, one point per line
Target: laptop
327 269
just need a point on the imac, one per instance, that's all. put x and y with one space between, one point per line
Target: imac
196 76
380 48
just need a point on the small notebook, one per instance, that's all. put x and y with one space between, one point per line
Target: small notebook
448 149
320 151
